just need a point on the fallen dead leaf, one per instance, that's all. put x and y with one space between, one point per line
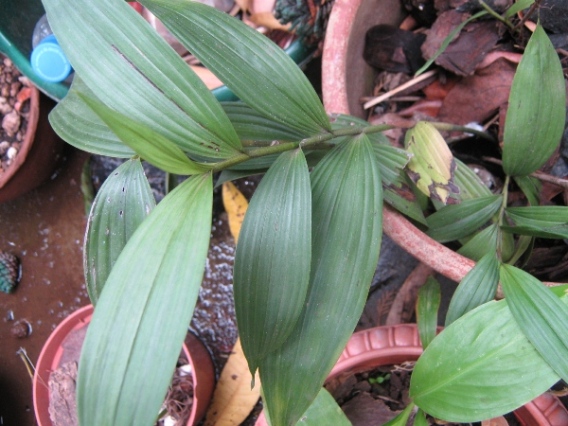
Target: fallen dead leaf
476 98
233 399
236 206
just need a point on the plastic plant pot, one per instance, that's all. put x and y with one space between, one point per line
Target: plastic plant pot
387 345
53 355
38 155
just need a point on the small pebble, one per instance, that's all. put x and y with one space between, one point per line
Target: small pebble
21 329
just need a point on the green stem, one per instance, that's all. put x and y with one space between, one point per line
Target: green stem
496 15
311 142
505 195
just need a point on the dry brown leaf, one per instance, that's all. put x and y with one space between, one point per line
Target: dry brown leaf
267 20
233 399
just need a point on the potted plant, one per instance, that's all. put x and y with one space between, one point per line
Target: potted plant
39 149
396 344
64 345
310 240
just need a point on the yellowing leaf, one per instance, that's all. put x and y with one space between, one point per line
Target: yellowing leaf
233 399
432 166
236 206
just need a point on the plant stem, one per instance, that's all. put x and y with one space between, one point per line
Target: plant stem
496 15
505 195
311 142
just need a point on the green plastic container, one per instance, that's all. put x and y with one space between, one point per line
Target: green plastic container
17 22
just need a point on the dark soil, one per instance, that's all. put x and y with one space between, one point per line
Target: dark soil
14 109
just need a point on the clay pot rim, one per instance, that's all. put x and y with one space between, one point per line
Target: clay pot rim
28 141
50 355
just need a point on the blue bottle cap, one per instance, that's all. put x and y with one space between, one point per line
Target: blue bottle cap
49 61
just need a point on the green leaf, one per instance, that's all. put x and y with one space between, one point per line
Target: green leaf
402 418
147 143
142 316
481 366
537 108
432 166
122 203
517 7
427 310
540 315
531 187
469 183
538 221
252 125
477 287
323 411
480 244
139 75
455 221
272 261
420 419
347 229
79 126
252 66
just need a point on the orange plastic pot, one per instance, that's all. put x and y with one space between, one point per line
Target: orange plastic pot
38 155
396 344
53 355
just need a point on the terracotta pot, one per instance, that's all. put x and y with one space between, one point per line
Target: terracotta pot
53 355
395 344
38 155
346 78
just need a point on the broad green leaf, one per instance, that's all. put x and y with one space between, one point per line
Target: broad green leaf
432 166
541 316
538 221
517 7
252 125
253 67
481 366
323 411
391 163
272 261
139 75
531 187
468 182
477 287
147 143
402 418
455 221
408 207
79 126
122 203
481 243
346 231
427 310
537 108
142 316
420 419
